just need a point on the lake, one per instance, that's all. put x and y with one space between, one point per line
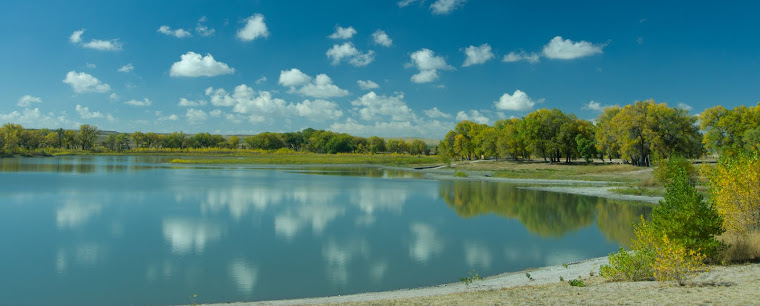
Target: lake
138 230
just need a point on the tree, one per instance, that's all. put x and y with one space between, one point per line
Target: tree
376 144
175 140
233 142
606 140
734 190
86 136
138 138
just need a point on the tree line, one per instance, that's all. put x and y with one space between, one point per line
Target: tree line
637 133
15 139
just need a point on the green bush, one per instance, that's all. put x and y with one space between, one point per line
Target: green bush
460 174
686 218
667 169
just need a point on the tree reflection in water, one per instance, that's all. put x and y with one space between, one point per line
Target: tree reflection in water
548 214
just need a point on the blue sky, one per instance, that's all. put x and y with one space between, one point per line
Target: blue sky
387 68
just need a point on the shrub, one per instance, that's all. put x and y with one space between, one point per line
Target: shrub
666 169
460 174
675 262
635 265
685 217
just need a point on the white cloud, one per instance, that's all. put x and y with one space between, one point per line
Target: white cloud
518 101
91 65
195 116
126 68
76 37
322 87
293 77
260 107
82 82
216 113
428 64
254 28
425 76
594 106
34 118
347 51
178 33
521 56
318 110
477 55
188 103
443 7
367 84
113 96
27 100
373 107
219 97
104 45
203 30
381 38
144 102
171 117
193 65
436 113
85 113
684 106
405 3
474 116
343 33
261 80
566 49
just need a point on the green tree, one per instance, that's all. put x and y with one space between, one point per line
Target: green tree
376 145
138 138
86 136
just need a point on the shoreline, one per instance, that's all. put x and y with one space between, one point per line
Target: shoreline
540 276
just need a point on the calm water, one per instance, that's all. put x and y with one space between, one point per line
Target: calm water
136 230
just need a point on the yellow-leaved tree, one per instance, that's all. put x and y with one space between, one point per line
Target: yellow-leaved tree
735 190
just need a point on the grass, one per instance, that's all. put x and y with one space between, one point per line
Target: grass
313 158
740 249
561 171
460 174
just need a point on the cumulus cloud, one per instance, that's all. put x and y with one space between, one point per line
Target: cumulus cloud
322 87
477 55
203 30
436 113
348 52
126 68
684 106
293 77
518 101
259 106
27 100
171 117
254 28
566 49
443 7
195 116
261 80
178 33
318 110
76 37
428 64
474 116
521 56
103 45
34 118
82 82
189 103
144 102
375 107
85 113
193 65
91 65
367 84
113 96
343 33
381 38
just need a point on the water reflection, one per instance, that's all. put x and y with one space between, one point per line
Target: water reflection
425 243
244 275
74 213
548 214
186 235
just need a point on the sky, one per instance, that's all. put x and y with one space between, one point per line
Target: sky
410 68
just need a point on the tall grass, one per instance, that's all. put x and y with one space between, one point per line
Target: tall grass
740 249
